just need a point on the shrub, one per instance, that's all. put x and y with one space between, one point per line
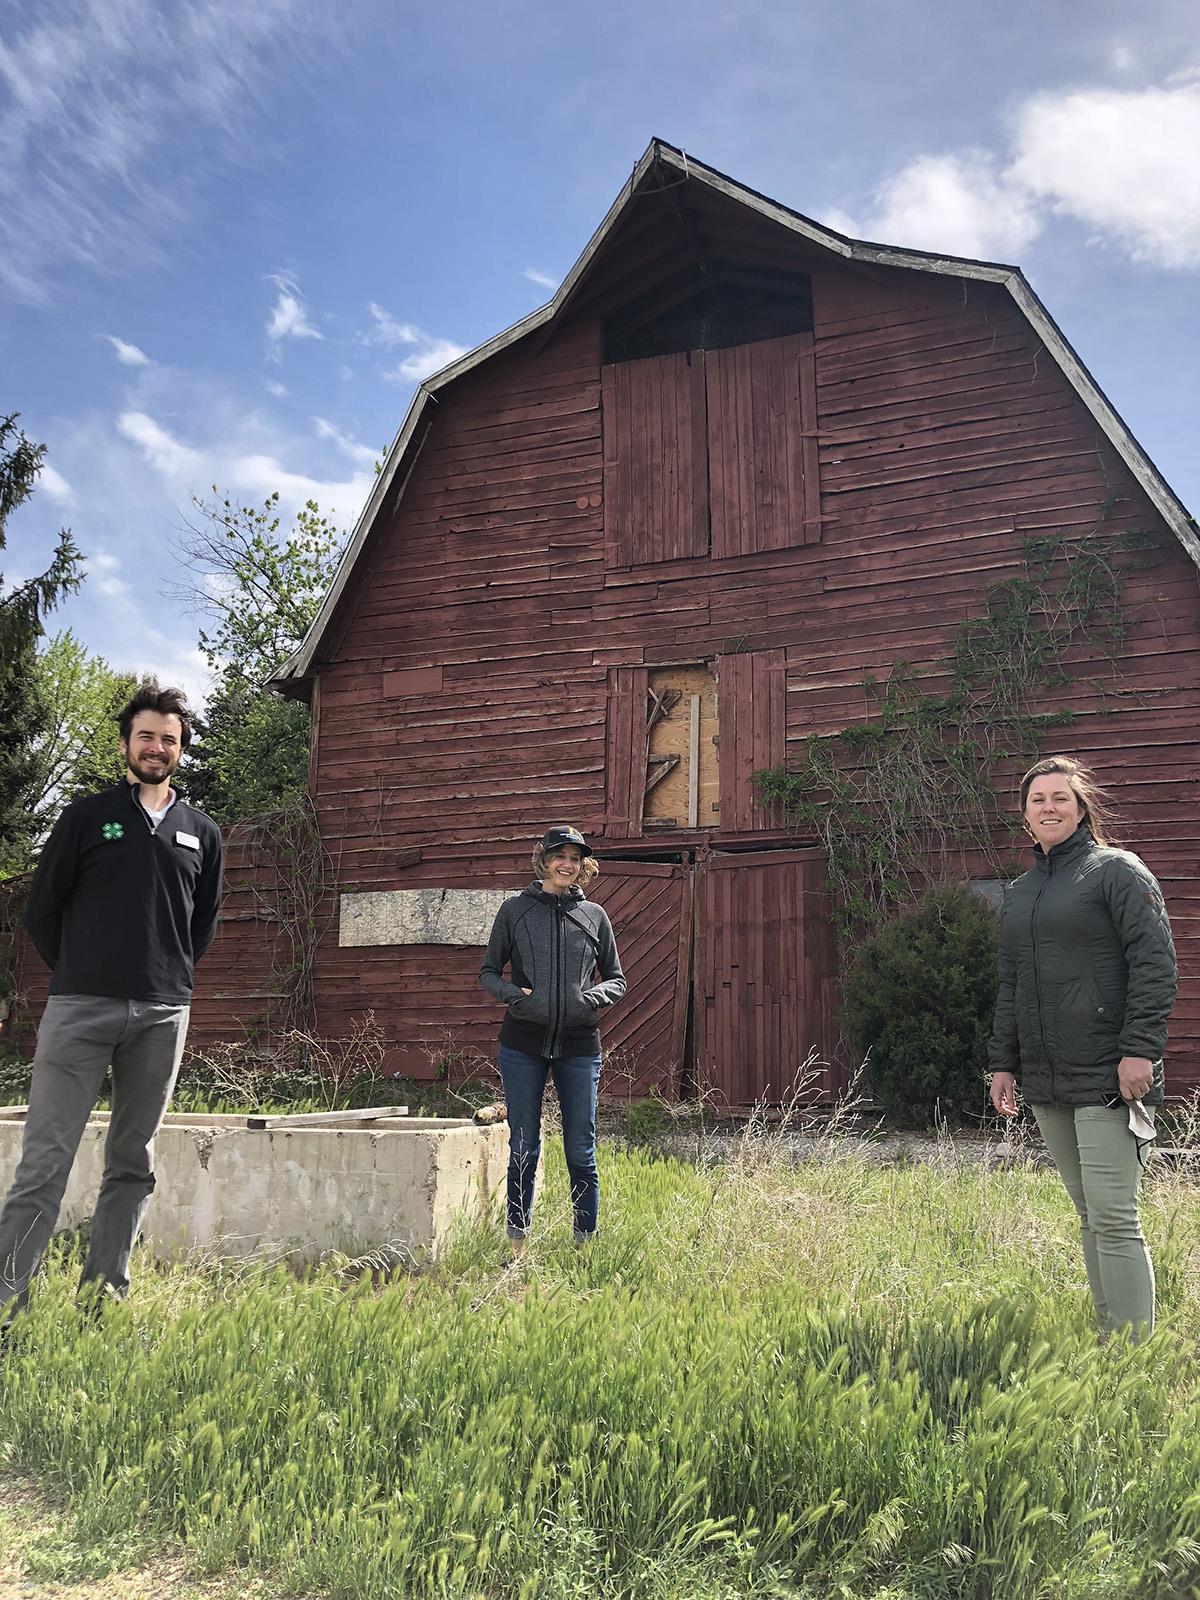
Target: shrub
919 998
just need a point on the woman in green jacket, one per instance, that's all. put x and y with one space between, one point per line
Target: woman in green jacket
1087 982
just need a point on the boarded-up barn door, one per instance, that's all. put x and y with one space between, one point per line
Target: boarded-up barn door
764 976
650 906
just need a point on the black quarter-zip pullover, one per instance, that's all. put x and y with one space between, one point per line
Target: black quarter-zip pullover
119 909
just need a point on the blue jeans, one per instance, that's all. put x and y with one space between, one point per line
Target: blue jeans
577 1079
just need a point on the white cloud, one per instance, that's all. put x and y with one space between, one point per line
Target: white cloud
1121 161
128 354
188 469
102 568
55 485
361 453
387 331
289 315
1124 162
116 112
432 357
542 279
962 204
279 390
164 453
345 373
429 353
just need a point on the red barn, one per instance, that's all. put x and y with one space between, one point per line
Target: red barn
648 540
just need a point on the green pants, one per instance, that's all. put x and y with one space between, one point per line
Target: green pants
1097 1159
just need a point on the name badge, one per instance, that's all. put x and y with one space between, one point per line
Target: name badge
188 839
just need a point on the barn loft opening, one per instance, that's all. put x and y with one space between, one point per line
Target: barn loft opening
709 305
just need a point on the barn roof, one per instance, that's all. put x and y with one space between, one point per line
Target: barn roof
660 169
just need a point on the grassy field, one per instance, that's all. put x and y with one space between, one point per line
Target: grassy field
829 1379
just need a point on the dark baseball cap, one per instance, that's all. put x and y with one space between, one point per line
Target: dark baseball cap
563 833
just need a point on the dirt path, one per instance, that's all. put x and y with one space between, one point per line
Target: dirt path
35 1538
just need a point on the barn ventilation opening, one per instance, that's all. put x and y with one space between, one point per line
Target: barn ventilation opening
732 303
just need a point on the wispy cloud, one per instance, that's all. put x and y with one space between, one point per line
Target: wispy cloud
542 279
96 92
289 314
279 390
160 448
184 468
386 330
433 355
1120 161
103 567
128 354
429 353
360 453
52 482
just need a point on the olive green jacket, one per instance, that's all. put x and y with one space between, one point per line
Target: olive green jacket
1087 974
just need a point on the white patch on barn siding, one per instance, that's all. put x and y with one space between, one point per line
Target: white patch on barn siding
420 916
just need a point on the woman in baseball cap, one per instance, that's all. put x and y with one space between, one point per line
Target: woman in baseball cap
564 970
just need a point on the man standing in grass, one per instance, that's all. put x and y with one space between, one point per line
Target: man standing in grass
123 903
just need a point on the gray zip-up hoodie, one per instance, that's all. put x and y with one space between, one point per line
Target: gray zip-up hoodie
553 944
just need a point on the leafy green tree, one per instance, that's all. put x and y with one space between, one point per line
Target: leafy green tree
23 714
77 751
259 585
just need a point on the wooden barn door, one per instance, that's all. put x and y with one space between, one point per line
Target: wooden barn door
650 906
765 974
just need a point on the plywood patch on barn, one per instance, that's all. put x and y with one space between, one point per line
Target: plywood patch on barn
682 780
420 916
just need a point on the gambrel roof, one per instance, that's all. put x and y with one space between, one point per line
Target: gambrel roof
660 168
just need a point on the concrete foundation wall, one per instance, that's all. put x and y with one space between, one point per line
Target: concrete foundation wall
227 1191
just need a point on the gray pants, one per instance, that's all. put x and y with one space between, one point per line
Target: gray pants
80 1036
1097 1159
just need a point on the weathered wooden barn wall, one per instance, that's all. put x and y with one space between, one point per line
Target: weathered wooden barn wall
482 673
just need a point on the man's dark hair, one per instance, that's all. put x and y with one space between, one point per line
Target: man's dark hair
167 702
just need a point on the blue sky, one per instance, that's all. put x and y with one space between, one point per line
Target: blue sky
233 237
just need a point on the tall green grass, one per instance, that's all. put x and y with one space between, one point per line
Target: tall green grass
819 1380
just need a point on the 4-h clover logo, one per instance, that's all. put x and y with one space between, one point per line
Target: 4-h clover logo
113 830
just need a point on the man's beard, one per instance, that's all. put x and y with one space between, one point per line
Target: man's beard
151 772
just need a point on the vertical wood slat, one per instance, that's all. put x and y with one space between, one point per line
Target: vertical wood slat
314 736
626 751
810 487
762 446
752 691
655 467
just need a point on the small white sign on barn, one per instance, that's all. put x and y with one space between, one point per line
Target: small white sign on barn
420 916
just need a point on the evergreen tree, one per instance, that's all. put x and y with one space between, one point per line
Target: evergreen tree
23 711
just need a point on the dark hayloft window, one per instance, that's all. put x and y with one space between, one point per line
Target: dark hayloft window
729 305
